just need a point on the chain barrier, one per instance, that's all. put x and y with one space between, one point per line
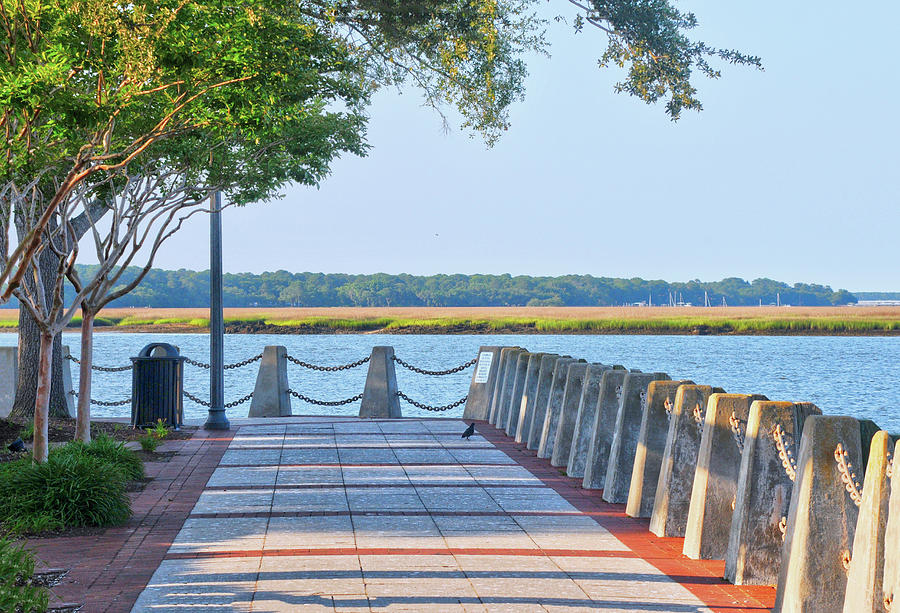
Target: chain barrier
427 407
784 453
328 368
101 368
241 364
889 469
699 417
669 406
324 403
738 428
208 405
845 468
103 403
435 373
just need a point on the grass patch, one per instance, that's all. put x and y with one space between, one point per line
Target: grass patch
110 451
17 591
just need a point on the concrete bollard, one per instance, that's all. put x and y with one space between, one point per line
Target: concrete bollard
478 401
542 395
603 428
511 419
506 389
554 407
584 421
714 492
498 386
565 429
771 446
892 539
68 389
380 398
8 374
270 396
676 473
822 517
529 394
650 446
865 578
625 435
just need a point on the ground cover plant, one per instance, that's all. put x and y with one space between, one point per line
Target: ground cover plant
18 592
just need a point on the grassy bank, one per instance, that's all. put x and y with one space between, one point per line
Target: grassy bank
511 320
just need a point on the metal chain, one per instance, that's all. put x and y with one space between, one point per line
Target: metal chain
738 427
102 403
228 405
784 453
101 368
190 396
427 407
845 468
435 373
328 368
324 403
699 417
669 406
196 363
241 364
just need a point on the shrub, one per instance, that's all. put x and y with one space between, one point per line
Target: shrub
16 571
68 490
110 451
149 443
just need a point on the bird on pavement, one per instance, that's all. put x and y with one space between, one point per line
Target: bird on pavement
469 431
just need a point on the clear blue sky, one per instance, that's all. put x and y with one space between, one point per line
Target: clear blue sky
789 173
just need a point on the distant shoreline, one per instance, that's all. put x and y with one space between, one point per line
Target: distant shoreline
681 321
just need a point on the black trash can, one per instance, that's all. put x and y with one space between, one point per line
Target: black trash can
157 384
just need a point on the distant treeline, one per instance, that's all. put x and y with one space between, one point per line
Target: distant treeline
877 295
187 288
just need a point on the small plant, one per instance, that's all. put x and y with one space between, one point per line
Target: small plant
149 442
118 427
110 451
27 433
17 590
160 430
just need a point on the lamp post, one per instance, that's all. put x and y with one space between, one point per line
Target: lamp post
216 419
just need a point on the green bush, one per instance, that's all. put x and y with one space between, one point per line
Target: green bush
68 490
109 450
149 442
16 571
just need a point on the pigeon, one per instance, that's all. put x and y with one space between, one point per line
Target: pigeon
469 431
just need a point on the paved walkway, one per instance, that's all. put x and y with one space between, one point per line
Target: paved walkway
334 514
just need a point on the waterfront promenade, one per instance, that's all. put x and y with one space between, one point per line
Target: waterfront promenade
343 514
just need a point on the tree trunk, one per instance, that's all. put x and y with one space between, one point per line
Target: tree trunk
29 355
83 421
41 447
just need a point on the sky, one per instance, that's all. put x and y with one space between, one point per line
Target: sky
790 173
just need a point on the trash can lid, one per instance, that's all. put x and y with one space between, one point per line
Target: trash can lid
159 350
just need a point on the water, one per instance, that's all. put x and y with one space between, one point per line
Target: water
855 376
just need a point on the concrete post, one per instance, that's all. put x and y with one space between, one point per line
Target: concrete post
68 389
483 381
584 421
603 428
714 492
568 414
511 419
542 395
380 398
625 436
498 386
270 396
892 539
8 374
822 519
650 446
865 578
554 407
507 385
529 395
764 491
676 474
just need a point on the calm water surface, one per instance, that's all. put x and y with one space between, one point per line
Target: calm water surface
843 375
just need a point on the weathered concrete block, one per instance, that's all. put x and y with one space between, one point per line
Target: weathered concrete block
892 539
568 414
584 421
714 492
822 518
865 578
650 446
554 407
68 389
529 395
511 419
542 396
676 473
380 398
270 396
478 401
765 481
603 428
625 436
506 386
8 374
498 386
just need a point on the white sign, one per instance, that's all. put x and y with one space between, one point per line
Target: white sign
484 366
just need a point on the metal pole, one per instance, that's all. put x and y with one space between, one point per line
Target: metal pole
216 419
